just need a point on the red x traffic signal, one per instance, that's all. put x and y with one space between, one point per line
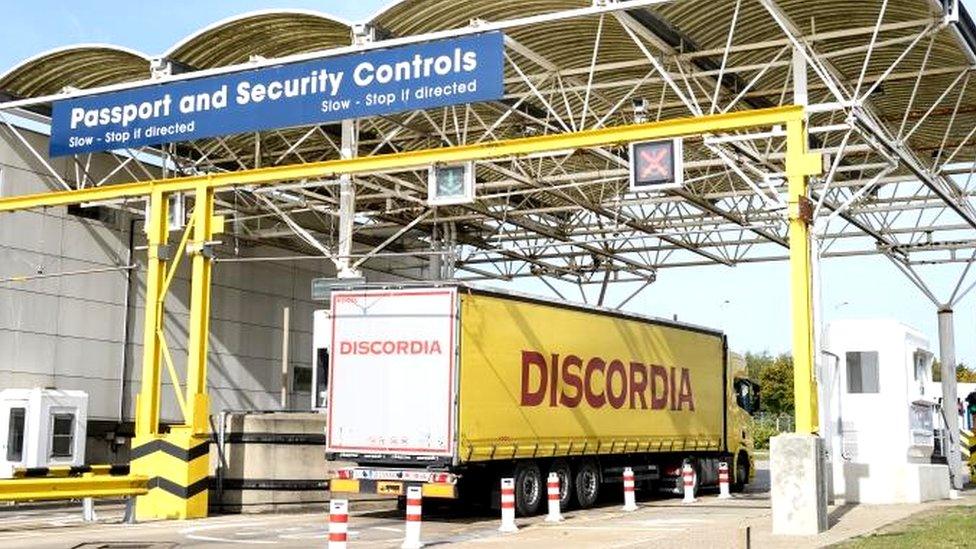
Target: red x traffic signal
655 164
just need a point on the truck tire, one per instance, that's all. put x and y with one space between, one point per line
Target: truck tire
742 468
561 468
587 483
529 488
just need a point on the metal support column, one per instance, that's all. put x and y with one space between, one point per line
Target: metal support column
347 202
435 270
177 462
947 358
799 165
157 235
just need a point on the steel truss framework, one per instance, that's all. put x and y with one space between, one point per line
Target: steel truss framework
898 180
892 113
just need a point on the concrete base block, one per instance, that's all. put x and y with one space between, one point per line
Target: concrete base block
798 489
887 483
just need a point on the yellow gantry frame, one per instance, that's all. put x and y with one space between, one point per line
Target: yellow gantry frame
799 165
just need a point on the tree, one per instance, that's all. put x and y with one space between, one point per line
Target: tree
775 377
964 374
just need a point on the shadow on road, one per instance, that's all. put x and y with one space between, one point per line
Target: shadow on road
834 516
611 496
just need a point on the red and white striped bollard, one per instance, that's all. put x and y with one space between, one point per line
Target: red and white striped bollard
552 491
723 481
411 538
508 506
338 523
630 499
688 478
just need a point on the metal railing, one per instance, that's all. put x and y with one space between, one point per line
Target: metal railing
84 482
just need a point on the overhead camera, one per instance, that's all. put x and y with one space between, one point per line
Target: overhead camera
640 111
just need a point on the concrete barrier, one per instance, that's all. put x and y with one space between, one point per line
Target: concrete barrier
270 462
796 468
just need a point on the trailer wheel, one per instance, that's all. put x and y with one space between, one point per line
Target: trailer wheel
529 488
741 473
587 483
561 468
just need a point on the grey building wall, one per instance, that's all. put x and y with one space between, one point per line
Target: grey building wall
69 331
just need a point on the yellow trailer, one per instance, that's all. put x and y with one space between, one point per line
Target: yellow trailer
453 388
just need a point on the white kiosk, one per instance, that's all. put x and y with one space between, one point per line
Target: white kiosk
321 341
878 423
41 428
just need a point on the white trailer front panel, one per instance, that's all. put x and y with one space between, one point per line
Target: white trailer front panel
392 372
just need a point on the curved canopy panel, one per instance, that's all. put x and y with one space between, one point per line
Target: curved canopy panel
80 66
409 17
270 34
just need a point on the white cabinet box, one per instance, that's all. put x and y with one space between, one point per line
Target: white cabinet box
41 428
879 422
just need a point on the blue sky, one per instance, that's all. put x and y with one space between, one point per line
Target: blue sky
756 314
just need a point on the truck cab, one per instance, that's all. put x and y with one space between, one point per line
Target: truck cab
743 403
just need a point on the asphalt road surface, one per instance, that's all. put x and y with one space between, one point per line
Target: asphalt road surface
660 519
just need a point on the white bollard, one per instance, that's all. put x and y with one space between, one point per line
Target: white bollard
688 477
630 500
723 481
552 491
508 506
88 510
411 538
338 523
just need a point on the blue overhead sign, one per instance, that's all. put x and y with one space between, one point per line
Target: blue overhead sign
418 76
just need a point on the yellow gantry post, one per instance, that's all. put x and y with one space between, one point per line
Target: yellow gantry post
799 165
177 462
205 226
157 236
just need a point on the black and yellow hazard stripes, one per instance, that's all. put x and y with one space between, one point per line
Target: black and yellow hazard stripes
177 465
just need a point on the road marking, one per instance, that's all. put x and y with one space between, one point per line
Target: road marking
651 522
619 528
643 542
387 529
194 534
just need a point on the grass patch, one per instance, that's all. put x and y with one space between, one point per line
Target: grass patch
943 528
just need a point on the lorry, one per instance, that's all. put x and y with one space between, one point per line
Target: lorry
453 387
